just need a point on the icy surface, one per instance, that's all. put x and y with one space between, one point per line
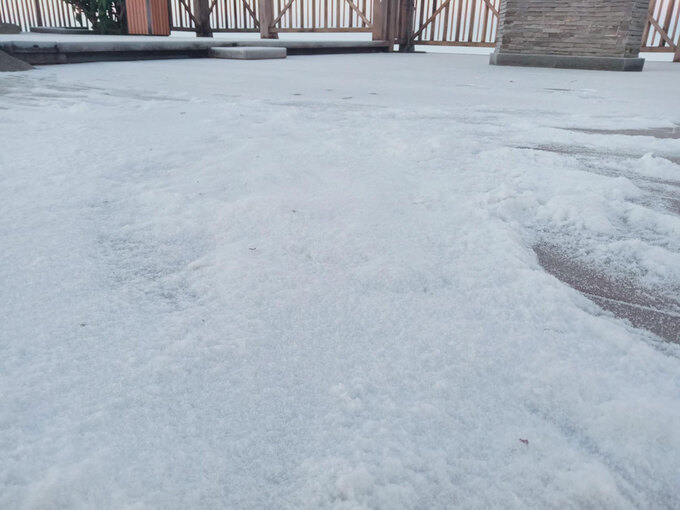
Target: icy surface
310 283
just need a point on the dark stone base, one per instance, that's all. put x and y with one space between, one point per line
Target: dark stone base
568 62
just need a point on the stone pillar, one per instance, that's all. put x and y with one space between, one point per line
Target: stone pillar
579 34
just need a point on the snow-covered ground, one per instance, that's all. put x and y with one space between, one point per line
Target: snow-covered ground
311 283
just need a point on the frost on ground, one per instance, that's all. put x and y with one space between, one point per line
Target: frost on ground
312 283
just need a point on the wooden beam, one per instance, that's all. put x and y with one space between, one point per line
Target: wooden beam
491 6
378 28
669 14
38 13
648 25
471 26
383 28
392 22
457 43
286 7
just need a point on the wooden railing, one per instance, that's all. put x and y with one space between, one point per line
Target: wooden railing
428 22
287 15
225 15
662 31
322 15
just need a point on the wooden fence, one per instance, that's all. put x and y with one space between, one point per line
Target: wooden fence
456 22
40 13
225 16
427 22
662 31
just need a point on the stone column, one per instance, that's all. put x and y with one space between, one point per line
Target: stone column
579 34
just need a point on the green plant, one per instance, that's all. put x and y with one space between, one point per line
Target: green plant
105 16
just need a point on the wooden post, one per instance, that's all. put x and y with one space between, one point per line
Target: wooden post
378 20
267 20
202 16
385 20
405 32
676 57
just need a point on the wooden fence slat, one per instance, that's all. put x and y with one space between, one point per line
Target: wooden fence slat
17 17
445 26
645 33
473 12
421 9
484 20
675 24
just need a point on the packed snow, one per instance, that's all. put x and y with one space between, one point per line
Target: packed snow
311 283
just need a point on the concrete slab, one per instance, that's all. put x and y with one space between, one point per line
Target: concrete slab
248 53
42 50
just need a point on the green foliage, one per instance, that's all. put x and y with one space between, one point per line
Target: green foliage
106 16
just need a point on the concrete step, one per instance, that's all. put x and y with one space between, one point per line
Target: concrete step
248 52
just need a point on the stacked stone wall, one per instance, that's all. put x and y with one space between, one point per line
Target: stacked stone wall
597 28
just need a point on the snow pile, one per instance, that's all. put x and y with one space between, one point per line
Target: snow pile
651 166
259 285
604 223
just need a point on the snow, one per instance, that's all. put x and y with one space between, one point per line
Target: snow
310 283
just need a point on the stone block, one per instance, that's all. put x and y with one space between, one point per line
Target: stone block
10 64
609 29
